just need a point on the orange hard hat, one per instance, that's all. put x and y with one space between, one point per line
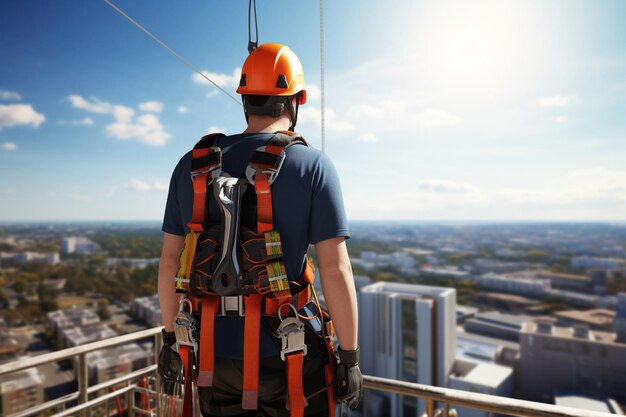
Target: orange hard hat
272 69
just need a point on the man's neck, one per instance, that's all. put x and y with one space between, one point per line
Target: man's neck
267 125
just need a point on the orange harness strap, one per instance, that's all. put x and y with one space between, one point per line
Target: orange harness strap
295 392
252 333
206 161
206 358
186 357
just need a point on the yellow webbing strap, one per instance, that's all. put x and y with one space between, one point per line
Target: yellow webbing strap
186 260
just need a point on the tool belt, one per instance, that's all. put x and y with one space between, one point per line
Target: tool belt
233 270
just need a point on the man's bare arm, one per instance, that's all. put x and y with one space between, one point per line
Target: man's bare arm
339 291
168 266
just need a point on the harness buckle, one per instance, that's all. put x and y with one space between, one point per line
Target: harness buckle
272 172
291 333
212 169
230 304
184 327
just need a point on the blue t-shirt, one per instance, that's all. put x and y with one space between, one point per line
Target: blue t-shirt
307 208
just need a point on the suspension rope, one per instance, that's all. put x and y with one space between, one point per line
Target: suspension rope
322 74
170 50
252 45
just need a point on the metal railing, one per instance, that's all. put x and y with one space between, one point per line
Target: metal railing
445 397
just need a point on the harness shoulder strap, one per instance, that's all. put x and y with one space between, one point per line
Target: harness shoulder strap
206 164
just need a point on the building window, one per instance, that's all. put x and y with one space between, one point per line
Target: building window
409 341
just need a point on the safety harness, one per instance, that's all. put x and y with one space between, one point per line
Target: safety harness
229 269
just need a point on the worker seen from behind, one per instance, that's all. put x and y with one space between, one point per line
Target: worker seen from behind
241 213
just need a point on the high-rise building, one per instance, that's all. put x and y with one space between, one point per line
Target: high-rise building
570 358
408 333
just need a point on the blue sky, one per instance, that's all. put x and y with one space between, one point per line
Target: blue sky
436 110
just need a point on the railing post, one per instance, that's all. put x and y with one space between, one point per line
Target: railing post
430 407
158 343
130 402
83 382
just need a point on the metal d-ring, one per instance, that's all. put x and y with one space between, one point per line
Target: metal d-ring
293 308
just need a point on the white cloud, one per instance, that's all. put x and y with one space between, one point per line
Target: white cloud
145 128
9 146
19 114
561 119
384 111
223 80
312 115
95 106
368 137
139 185
151 106
214 129
123 114
313 92
10 95
213 93
435 118
85 121
556 101
183 109
398 114
442 186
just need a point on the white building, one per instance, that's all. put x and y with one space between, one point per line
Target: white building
483 378
515 285
74 336
117 361
607 264
30 257
79 245
398 260
148 309
71 317
20 390
407 332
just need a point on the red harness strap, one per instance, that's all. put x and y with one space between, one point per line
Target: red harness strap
206 162
251 336
265 223
206 358
186 357
295 392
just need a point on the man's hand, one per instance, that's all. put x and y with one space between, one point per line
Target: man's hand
348 378
170 365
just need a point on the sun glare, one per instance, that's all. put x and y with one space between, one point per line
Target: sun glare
465 46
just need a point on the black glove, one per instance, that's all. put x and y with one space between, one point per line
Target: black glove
170 366
348 378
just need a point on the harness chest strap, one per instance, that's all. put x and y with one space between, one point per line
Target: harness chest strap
206 164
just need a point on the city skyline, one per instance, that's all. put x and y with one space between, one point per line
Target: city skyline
481 111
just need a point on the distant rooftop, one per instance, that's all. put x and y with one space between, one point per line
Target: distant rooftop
597 316
572 399
398 288
485 374
569 332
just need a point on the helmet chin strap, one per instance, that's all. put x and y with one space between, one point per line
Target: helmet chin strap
293 112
